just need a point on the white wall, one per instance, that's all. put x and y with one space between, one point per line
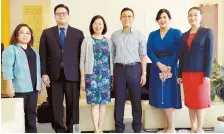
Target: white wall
82 11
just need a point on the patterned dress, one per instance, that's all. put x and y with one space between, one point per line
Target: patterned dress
98 83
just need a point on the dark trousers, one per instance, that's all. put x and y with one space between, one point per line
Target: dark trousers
49 99
127 78
30 104
71 90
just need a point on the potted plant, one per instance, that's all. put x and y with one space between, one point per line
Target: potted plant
217 80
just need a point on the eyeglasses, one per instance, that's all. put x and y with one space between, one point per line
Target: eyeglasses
61 14
23 33
129 17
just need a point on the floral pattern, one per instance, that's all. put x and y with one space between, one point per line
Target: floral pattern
98 83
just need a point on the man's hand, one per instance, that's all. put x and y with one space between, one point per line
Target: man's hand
143 80
46 80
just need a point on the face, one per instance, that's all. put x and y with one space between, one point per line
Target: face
194 17
164 20
61 16
24 35
98 26
127 18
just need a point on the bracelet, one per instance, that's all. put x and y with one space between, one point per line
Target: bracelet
144 73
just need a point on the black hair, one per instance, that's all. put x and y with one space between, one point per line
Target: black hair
162 11
93 20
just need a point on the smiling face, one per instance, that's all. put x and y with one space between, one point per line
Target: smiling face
24 35
164 20
127 18
61 16
194 17
98 26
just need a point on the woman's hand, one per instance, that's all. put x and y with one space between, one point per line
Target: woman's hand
206 80
163 68
10 91
179 81
83 85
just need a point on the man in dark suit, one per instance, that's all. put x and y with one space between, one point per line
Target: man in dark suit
60 54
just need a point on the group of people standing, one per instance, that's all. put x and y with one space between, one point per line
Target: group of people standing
68 62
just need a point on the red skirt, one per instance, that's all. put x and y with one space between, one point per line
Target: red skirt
196 93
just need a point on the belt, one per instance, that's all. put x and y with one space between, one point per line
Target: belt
128 65
159 55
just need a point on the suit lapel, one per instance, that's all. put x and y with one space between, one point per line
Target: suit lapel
195 38
56 34
185 38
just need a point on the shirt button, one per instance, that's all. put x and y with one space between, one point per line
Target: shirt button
62 51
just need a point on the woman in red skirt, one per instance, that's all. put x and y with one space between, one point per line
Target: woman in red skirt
196 56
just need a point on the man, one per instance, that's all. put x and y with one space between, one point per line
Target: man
60 55
130 70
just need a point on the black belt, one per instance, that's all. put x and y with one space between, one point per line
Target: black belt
159 55
128 65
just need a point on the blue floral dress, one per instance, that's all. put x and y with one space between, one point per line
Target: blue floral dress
98 83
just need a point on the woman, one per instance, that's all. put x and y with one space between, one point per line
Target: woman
96 70
195 68
162 48
21 70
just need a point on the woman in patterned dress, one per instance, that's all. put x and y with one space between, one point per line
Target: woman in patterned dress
96 70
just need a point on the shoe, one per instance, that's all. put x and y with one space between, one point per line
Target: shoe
220 118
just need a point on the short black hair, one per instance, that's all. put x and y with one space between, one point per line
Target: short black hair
93 20
196 8
59 6
162 11
127 9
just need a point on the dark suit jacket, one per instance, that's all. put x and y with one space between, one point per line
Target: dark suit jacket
52 54
200 57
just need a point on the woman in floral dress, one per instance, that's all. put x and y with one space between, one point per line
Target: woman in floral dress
96 70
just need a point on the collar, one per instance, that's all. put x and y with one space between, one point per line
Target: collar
130 31
65 27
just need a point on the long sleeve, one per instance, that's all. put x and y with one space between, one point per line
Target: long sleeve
80 42
181 58
150 53
209 53
174 58
8 60
43 53
83 55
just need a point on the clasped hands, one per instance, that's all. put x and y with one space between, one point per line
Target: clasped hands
165 71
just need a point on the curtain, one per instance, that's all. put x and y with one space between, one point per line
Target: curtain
210 20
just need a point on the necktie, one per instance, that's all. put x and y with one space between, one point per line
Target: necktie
62 36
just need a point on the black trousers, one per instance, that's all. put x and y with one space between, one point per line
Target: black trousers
71 90
30 104
127 78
